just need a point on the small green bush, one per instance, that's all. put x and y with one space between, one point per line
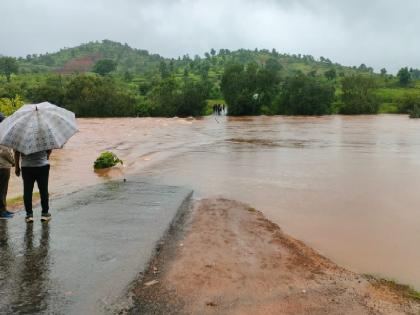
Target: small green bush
105 160
410 104
415 112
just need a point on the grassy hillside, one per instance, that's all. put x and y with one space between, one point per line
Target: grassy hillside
137 61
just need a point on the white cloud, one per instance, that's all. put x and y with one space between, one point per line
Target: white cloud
377 32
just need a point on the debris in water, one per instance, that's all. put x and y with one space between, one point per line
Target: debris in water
150 283
211 304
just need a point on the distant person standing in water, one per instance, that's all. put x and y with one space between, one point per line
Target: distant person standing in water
6 163
35 168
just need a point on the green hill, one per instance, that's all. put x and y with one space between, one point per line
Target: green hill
142 83
137 61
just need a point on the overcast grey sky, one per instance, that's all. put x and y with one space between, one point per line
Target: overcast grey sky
380 33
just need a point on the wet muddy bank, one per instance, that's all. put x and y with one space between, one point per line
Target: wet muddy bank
225 257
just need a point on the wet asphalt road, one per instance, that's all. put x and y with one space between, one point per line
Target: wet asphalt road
85 259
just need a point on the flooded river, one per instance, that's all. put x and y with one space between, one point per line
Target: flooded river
347 186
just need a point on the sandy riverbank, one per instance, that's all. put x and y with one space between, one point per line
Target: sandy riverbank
226 258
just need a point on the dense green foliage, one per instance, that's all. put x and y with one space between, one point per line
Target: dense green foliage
93 96
105 160
358 97
8 65
404 76
9 105
410 104
104 66
112 79
304 95
246 89
170 98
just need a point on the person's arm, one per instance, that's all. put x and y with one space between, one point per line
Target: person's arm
10 158
48 154
17 163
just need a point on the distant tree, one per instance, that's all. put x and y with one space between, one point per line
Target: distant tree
409 103
8 66
415 73
128 76
357 96
383 72
363 67
164 98
104 66
204 70
94 96
192 101
144 88
404 76
11 89
171 66
9 105
168 98
52 90
236 90
248 89
163 70
303 95
272 64
312 73
212 52
330 74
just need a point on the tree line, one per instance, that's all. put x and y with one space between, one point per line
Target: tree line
250 82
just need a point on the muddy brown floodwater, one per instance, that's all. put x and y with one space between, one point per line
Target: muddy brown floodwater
347 186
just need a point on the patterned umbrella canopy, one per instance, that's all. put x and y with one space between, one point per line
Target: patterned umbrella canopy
38 127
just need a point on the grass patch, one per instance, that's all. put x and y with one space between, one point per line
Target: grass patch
17 201
388 108
401 289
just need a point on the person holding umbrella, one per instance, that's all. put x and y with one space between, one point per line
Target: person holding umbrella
6 162
35 168
33 131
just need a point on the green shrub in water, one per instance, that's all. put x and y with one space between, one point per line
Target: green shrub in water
105 160
415 112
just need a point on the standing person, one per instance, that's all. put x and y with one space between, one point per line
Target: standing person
6 162
35 168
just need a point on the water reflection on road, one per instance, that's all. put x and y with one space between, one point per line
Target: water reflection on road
347 186
24 270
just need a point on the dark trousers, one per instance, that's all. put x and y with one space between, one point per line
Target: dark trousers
4 185
39 175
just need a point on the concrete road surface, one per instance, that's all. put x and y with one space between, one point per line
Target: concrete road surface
84 260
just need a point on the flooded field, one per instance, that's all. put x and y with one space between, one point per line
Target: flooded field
347 186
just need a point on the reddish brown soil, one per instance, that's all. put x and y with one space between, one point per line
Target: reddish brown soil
81 64
232 260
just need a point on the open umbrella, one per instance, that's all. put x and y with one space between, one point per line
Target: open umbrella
38 127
